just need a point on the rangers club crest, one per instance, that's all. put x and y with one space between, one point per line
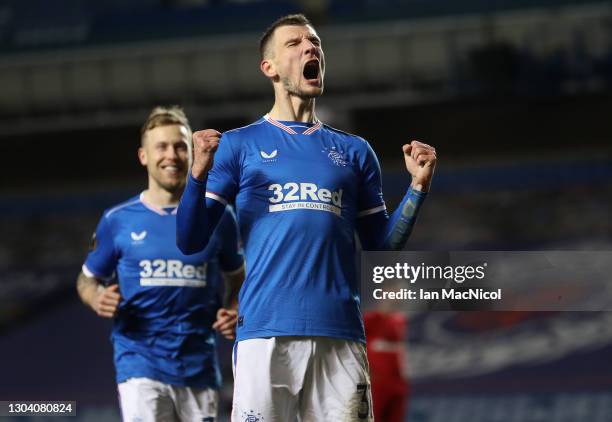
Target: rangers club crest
336 156
252 417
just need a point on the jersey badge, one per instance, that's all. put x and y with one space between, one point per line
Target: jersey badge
252 417
336 156
93 243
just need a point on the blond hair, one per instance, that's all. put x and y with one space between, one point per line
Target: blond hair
163 116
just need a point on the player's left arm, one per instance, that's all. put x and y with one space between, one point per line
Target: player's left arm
94 283
231 260
420 160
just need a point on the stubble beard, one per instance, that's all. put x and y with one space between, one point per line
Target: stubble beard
296 91
172 186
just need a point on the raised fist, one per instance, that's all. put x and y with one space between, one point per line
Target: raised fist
205 144
420 161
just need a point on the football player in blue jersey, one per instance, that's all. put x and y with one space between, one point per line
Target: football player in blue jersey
166 305
301 190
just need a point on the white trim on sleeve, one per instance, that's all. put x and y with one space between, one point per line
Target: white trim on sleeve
216 197
89 274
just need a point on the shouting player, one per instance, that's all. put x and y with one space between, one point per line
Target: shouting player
166 305
301 190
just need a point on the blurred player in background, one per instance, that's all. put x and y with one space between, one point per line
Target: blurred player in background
386 345
301 190
166 305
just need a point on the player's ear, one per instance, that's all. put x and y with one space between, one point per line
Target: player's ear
268 69
142 156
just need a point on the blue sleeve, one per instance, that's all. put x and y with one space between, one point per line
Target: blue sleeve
396 228
224 177
373 216
370 199
102 258
200 209
230 254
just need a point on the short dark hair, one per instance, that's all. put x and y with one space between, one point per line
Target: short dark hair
289 20
163 116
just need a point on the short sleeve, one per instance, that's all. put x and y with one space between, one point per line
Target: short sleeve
370 198
223 178
102 257
231 257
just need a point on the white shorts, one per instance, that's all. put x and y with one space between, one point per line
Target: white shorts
305 379
147 400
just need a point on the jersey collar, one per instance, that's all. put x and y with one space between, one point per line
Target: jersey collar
155 208
290 130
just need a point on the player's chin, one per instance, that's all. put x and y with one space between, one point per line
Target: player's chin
312 91
174 184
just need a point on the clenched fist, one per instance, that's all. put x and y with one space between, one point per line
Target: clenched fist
420 161
205 144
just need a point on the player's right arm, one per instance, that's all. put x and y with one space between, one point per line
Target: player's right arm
231 260
104 301
98 270
201 208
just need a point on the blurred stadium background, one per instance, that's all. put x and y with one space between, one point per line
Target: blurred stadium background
516 95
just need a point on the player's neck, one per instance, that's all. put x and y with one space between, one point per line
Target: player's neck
293 109
160 197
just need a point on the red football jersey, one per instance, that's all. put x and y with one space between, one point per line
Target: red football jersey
386 337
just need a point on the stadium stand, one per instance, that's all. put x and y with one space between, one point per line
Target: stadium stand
515 95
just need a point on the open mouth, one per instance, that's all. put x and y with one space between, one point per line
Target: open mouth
311 70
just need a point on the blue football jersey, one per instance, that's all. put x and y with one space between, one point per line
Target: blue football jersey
163 328
298 189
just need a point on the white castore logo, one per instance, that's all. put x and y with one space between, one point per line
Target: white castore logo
138 236
291 196
267 156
